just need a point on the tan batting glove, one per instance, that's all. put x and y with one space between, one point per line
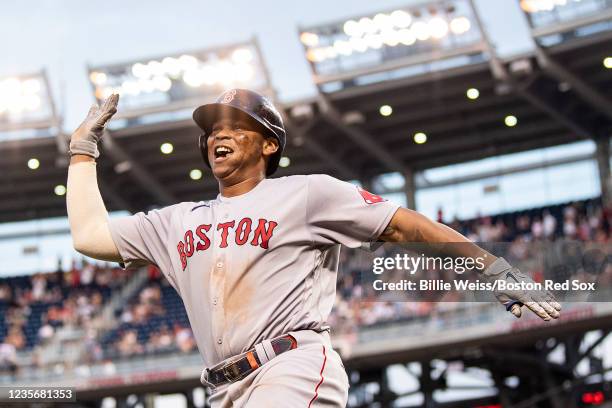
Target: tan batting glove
85 139
514 296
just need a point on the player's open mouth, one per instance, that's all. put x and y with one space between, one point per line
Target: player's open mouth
222 153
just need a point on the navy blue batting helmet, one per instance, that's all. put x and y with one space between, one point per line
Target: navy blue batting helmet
254 106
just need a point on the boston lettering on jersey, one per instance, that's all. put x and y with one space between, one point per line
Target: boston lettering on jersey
245 231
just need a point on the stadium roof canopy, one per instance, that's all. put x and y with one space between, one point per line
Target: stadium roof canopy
342 133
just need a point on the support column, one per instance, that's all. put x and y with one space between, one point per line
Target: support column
410 189
427 385
602 155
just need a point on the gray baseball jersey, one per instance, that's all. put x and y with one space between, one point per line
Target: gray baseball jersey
258 265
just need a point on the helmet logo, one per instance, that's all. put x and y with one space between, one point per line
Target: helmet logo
229 96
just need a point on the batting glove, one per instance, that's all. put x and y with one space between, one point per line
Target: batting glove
514 289
85 139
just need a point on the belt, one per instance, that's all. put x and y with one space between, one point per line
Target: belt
238 367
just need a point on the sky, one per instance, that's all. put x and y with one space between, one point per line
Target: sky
64 36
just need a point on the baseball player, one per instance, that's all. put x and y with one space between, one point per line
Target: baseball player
256 266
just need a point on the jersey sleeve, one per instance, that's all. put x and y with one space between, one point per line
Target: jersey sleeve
338 212
143 239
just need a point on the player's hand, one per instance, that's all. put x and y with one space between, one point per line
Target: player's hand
85 138
540 302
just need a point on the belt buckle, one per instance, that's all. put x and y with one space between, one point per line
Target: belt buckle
231 372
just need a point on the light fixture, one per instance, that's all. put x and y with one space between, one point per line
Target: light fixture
438 27
195 174
510 120
284 161
460 25
166 148
20 96
244 55
367 25
534 6
60 190
473 93
33 164
421 30
98 78
420 138
309 39
400 19
385 110
406 36
608 62
352 28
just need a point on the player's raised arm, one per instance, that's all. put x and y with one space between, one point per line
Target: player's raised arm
86 211
410 226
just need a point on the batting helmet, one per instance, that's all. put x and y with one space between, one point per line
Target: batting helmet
242 102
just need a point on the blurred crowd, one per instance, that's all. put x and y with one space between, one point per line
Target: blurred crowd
579 221
34 307
153 319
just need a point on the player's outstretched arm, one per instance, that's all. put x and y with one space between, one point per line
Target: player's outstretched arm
410 226
86 210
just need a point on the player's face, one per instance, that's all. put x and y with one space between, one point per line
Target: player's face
236 148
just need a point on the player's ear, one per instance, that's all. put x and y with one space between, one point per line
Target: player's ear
270 146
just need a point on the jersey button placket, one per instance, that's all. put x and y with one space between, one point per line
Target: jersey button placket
218 284
221 266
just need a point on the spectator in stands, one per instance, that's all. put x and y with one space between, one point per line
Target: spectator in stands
87 273
39 286
93 349
549 225
128 345
569 222
15 337
8 358
18 315
6 294
183 337
523 226
45 332
537 229
165 340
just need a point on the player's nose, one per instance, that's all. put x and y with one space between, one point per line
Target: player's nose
218 137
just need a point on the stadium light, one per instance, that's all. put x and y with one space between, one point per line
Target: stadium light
25 102
309 39
420 138
473 93
572 18
536 6
510 120
284 161
195 174
166 148
429 22
460 25
385 110
60 190
33 163
181 81
608 62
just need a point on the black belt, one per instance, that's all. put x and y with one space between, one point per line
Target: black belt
244 364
